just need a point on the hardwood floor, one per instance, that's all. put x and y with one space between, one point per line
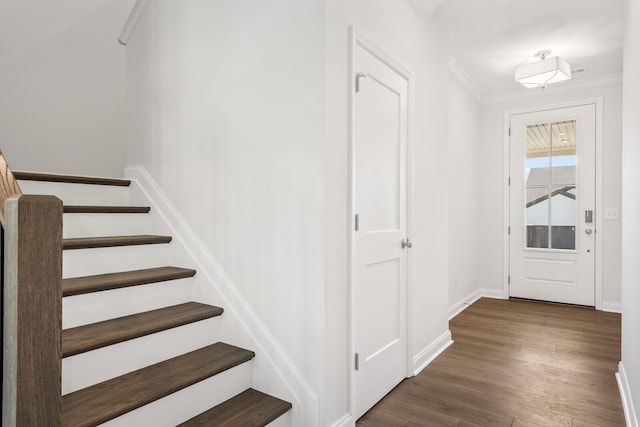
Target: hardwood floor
515 363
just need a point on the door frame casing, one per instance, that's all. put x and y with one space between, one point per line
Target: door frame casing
599 167
357 38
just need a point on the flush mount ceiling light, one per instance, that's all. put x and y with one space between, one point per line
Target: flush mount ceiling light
541 73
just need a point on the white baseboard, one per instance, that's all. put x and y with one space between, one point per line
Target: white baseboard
612 307
433 350
474 296
346 421
278 371
492 293
625 394
465 302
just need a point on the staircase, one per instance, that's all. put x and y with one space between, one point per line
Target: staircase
137 349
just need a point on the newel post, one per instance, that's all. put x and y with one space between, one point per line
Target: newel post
32 363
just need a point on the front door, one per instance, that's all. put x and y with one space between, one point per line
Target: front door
552 205
380 225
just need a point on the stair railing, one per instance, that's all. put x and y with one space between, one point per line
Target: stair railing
131 23
31 305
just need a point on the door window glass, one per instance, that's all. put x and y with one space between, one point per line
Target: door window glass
550 185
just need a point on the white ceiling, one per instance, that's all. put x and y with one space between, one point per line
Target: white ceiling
490 38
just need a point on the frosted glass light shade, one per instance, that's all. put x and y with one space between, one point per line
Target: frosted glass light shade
541 73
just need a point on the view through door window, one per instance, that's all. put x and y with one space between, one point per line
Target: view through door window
550 180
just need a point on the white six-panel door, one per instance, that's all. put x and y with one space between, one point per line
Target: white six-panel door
552 205
380 203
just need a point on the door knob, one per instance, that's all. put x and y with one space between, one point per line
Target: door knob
588 231
406 243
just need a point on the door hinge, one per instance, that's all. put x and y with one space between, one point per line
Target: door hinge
509 180
509 230
508 280
509 131
356 222
357 361
358 77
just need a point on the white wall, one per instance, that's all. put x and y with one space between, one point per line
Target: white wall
631 203
227 104
464 193
63 85
396 28
492 182
241 100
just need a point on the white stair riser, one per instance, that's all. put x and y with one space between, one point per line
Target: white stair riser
79 194
96 225
80 371
86 262
90 368
189 402
285 420
98 306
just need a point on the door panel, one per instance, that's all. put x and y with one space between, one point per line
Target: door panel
378 125
381 294
380 201
552 169
550 270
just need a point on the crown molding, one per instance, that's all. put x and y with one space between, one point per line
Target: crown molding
460 76
564 87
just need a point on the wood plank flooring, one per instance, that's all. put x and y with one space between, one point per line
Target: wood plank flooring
515 363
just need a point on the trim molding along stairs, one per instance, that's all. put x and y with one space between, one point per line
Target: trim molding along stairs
274 372
141 343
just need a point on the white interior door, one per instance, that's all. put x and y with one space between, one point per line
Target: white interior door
380 203
552 205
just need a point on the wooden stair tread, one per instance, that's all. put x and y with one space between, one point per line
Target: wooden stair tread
96 335
105 209
112 398
250 408
104 282
71 179
109 241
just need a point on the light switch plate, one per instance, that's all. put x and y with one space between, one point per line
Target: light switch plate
612 213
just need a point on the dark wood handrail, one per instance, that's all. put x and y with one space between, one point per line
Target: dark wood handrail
32 305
